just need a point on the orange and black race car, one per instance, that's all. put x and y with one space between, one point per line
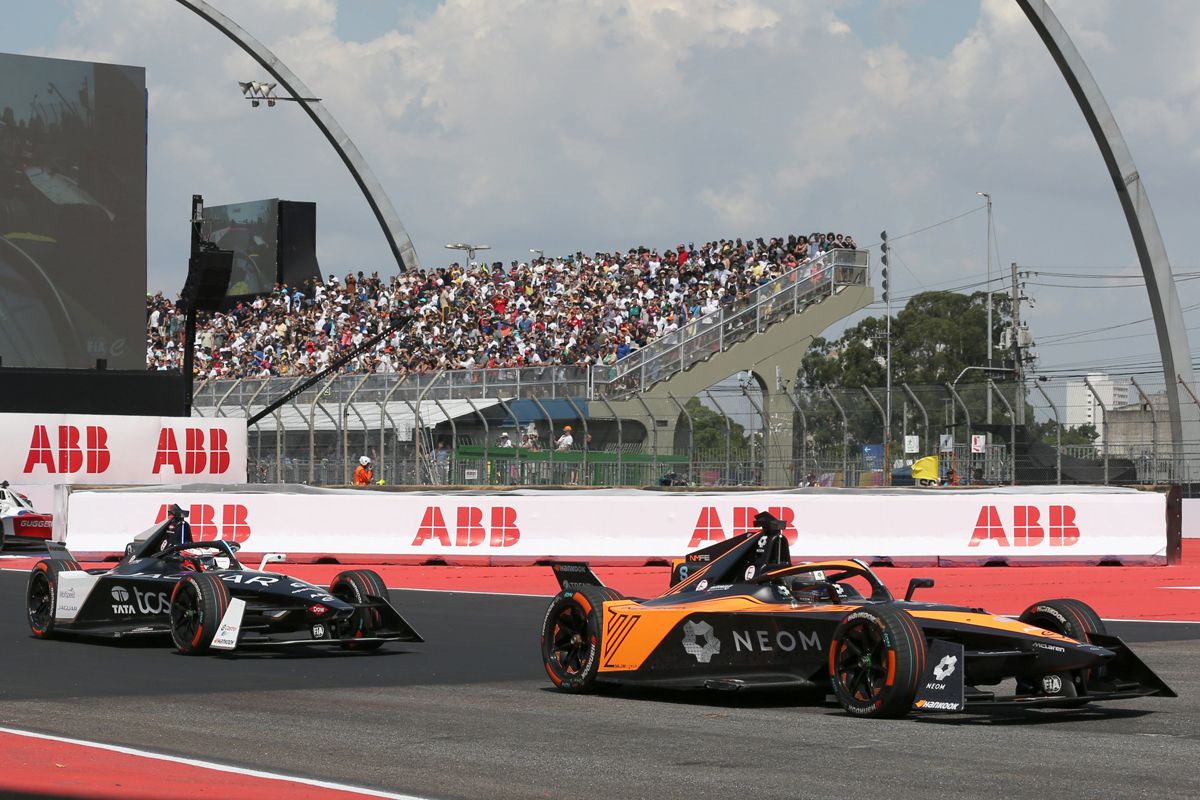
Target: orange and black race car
740 615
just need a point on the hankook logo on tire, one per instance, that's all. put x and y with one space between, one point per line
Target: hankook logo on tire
692 633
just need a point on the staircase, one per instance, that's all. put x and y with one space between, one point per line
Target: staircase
784 314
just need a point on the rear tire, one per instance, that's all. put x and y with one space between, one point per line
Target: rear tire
41 594
361 586
876 660
571 636
198 602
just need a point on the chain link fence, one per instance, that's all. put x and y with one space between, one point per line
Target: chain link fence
444 428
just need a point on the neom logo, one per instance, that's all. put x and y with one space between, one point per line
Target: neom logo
470 531
709 528
1027 530
231 524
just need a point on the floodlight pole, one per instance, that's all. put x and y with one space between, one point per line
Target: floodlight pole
393 230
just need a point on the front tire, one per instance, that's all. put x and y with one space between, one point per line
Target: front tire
1071 618
361 586
876 660
1074 619
571 636
41 594
198 603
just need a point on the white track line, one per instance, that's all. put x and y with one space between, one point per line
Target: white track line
193 762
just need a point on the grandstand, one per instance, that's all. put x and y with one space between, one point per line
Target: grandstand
610 342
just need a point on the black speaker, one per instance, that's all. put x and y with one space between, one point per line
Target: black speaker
208 279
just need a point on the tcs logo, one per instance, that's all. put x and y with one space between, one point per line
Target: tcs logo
709 528
229 521
1028 529
77 450
196 452
502 530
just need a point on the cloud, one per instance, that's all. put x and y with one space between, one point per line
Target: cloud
585 124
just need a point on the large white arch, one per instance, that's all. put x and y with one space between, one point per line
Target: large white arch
1147 241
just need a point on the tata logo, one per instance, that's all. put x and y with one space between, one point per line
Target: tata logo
1027 529
469 531
199 453
78 450
709 528
229 521
121 604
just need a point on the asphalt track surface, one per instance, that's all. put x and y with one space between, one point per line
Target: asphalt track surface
470 714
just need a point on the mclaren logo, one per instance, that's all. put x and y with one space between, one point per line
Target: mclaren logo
693 633
945 667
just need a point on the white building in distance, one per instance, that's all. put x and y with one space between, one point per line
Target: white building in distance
1082 408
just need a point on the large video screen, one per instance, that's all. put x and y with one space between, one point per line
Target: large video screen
72 213
251 231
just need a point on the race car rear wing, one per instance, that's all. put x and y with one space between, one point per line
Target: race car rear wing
572 574
58 551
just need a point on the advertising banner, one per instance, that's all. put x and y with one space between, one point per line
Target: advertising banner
48 449
904 527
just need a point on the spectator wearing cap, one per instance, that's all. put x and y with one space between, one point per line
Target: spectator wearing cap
565 441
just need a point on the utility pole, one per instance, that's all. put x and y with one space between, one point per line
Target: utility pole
986 196
887 415
1018 361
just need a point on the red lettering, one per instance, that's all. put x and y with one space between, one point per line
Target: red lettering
98 457
203 519
708 528
1063 532
504 527
70 456
470 530
433 526
1026 530
988 527
167 454
194 457
743 519
218 447
235 527
39 451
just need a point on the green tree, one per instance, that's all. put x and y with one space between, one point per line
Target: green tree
710 432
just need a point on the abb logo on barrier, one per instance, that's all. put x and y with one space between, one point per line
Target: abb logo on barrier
469 531
78 450
709 528
1027 527
85 449
195 455
229 522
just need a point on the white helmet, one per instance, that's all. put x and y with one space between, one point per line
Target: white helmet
366 462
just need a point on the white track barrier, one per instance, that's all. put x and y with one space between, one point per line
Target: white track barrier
1025 525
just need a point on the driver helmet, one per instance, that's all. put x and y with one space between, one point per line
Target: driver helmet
365 461
807 587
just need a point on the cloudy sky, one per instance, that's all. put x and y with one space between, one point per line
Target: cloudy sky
596 124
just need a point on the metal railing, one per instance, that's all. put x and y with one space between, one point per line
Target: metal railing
712 333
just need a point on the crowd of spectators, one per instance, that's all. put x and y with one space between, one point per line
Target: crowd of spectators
576 310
